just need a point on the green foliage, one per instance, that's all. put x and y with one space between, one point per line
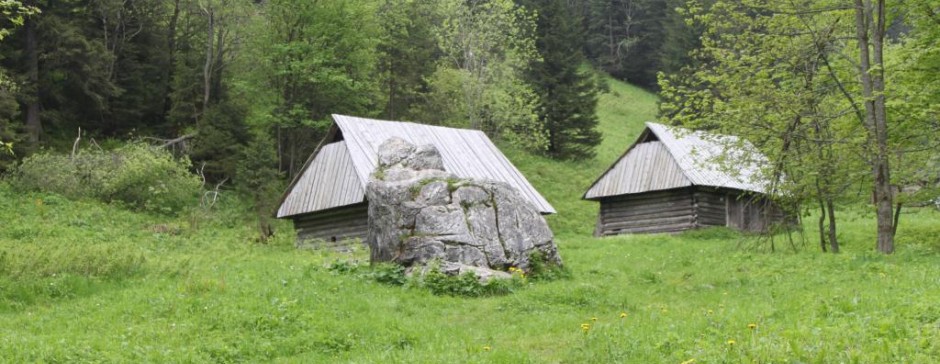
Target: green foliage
389 273
466 284
209 295
406 55
305 61
632 40
138 175
432 280
220 137
567 92
10 130
13 14
793 96
259 178
486 46
339 266
102 260
541 270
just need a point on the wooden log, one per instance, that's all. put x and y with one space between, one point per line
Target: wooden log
664 195
650 230
646 206
646 213
666 220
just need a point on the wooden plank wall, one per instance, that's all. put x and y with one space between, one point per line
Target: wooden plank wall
646 167
329 181
652 212
334 226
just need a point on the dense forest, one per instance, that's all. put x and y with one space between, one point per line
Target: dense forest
224 71
842 97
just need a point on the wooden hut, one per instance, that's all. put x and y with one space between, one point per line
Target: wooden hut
671 179
327 200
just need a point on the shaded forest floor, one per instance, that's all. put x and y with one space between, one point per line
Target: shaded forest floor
87 282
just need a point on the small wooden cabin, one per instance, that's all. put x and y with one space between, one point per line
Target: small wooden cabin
327 199
671 180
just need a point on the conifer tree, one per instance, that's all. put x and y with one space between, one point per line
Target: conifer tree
567 92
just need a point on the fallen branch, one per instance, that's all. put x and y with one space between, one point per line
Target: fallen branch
170 142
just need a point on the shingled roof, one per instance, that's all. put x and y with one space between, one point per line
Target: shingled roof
665 157
337 173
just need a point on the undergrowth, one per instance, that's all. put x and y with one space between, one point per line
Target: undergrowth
84 281
136 175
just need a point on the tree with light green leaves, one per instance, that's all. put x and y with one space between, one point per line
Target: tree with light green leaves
487 46
805 82
305 61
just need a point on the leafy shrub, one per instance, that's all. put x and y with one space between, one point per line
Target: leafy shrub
540 269
435 281
137 175
389 273
467 284
343 267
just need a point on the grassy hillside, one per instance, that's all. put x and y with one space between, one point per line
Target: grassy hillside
86 282
621 112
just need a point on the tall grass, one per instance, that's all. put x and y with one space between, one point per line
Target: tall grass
87 282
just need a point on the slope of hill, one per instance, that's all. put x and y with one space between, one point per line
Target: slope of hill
87 282
621 113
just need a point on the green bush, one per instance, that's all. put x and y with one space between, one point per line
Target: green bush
467 284
389 273
540 269
138 175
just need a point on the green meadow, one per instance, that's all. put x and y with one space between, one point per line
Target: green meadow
83 281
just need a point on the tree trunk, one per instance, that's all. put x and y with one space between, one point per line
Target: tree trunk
872 79
33 123
207 68
171 62
833 240
822 225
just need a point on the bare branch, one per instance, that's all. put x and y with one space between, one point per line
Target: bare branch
75 144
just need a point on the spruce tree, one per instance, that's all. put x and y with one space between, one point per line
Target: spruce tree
567 92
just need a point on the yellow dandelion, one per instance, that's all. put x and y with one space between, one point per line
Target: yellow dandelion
623 315
752 326
486 348
594 319
690 361
585 327
731 342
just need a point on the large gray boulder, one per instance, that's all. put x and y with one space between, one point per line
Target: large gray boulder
419 213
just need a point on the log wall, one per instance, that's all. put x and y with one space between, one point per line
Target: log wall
334 227
652 212
755 214
710 207
686 208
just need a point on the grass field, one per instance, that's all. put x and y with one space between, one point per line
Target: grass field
87 282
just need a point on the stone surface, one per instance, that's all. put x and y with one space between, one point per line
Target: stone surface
419 213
